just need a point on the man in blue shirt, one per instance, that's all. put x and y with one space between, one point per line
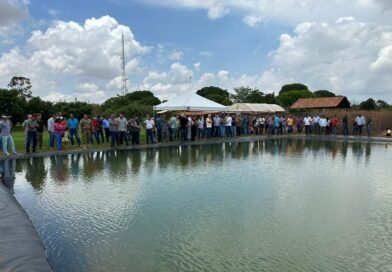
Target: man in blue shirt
73 125
105 125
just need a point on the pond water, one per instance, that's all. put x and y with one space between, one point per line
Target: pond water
273 205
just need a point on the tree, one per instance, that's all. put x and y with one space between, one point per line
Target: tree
293 87
381 104
286 99
76 108
369 104
135 103
12 104
37 105
324 93
215 94
247 95
22 85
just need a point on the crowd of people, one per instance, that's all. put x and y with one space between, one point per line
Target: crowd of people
119 130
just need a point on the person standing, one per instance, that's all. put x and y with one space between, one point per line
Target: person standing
25 127
158 125
122 129
217 121
345 125
40 131
32 126
334 125
290 123
51 130
165 130
209 126
100 128
6 137
193 128
113 126
73 126
106 126
173 128
59 130
200 126
135 130
96 126
360 120
150 125
307 124
85 126
184 127
369 126
228 124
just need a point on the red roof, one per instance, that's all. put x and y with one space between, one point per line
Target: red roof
322 102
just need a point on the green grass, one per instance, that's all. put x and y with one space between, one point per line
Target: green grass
19 140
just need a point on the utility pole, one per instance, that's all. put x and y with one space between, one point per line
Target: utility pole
124 79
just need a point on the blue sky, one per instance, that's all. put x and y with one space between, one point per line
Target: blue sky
72 48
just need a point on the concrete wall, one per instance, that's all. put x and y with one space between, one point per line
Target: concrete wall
20 247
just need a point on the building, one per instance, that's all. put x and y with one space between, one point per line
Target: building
337 102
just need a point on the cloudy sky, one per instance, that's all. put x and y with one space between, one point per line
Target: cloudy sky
73 48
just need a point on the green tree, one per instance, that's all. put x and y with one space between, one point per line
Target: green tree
293 87
135 103
324 93
76 108
247 95
37 105
369 104
22 85
286 99
381 104
12 104
216 94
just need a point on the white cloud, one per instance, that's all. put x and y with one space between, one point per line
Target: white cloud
176 56
197 66
347 57
383 64
12 12
289 11
69 53
252 20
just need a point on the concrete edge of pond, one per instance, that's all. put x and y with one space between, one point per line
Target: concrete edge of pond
20 246
329 138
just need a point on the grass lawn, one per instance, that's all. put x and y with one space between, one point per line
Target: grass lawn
19 139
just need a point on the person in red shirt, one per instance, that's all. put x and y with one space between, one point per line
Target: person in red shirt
96 128
59 129
334 125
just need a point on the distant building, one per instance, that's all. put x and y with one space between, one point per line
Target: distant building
337 102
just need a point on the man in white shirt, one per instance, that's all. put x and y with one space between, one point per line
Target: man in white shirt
149 123
323 125
360 120
51 130
307 124
228 121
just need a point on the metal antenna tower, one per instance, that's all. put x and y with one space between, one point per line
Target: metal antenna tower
124 79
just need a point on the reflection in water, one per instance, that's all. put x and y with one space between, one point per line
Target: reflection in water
272 205
7 173
35 172
120 163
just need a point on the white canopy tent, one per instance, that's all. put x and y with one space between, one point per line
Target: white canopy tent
190 102
254 107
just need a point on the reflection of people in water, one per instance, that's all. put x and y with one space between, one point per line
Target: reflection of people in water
7 172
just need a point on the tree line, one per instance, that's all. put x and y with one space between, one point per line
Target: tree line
17 100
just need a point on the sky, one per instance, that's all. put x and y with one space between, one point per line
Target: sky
72 49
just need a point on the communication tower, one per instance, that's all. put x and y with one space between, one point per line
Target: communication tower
124 79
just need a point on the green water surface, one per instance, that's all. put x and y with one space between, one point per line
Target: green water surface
273 205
